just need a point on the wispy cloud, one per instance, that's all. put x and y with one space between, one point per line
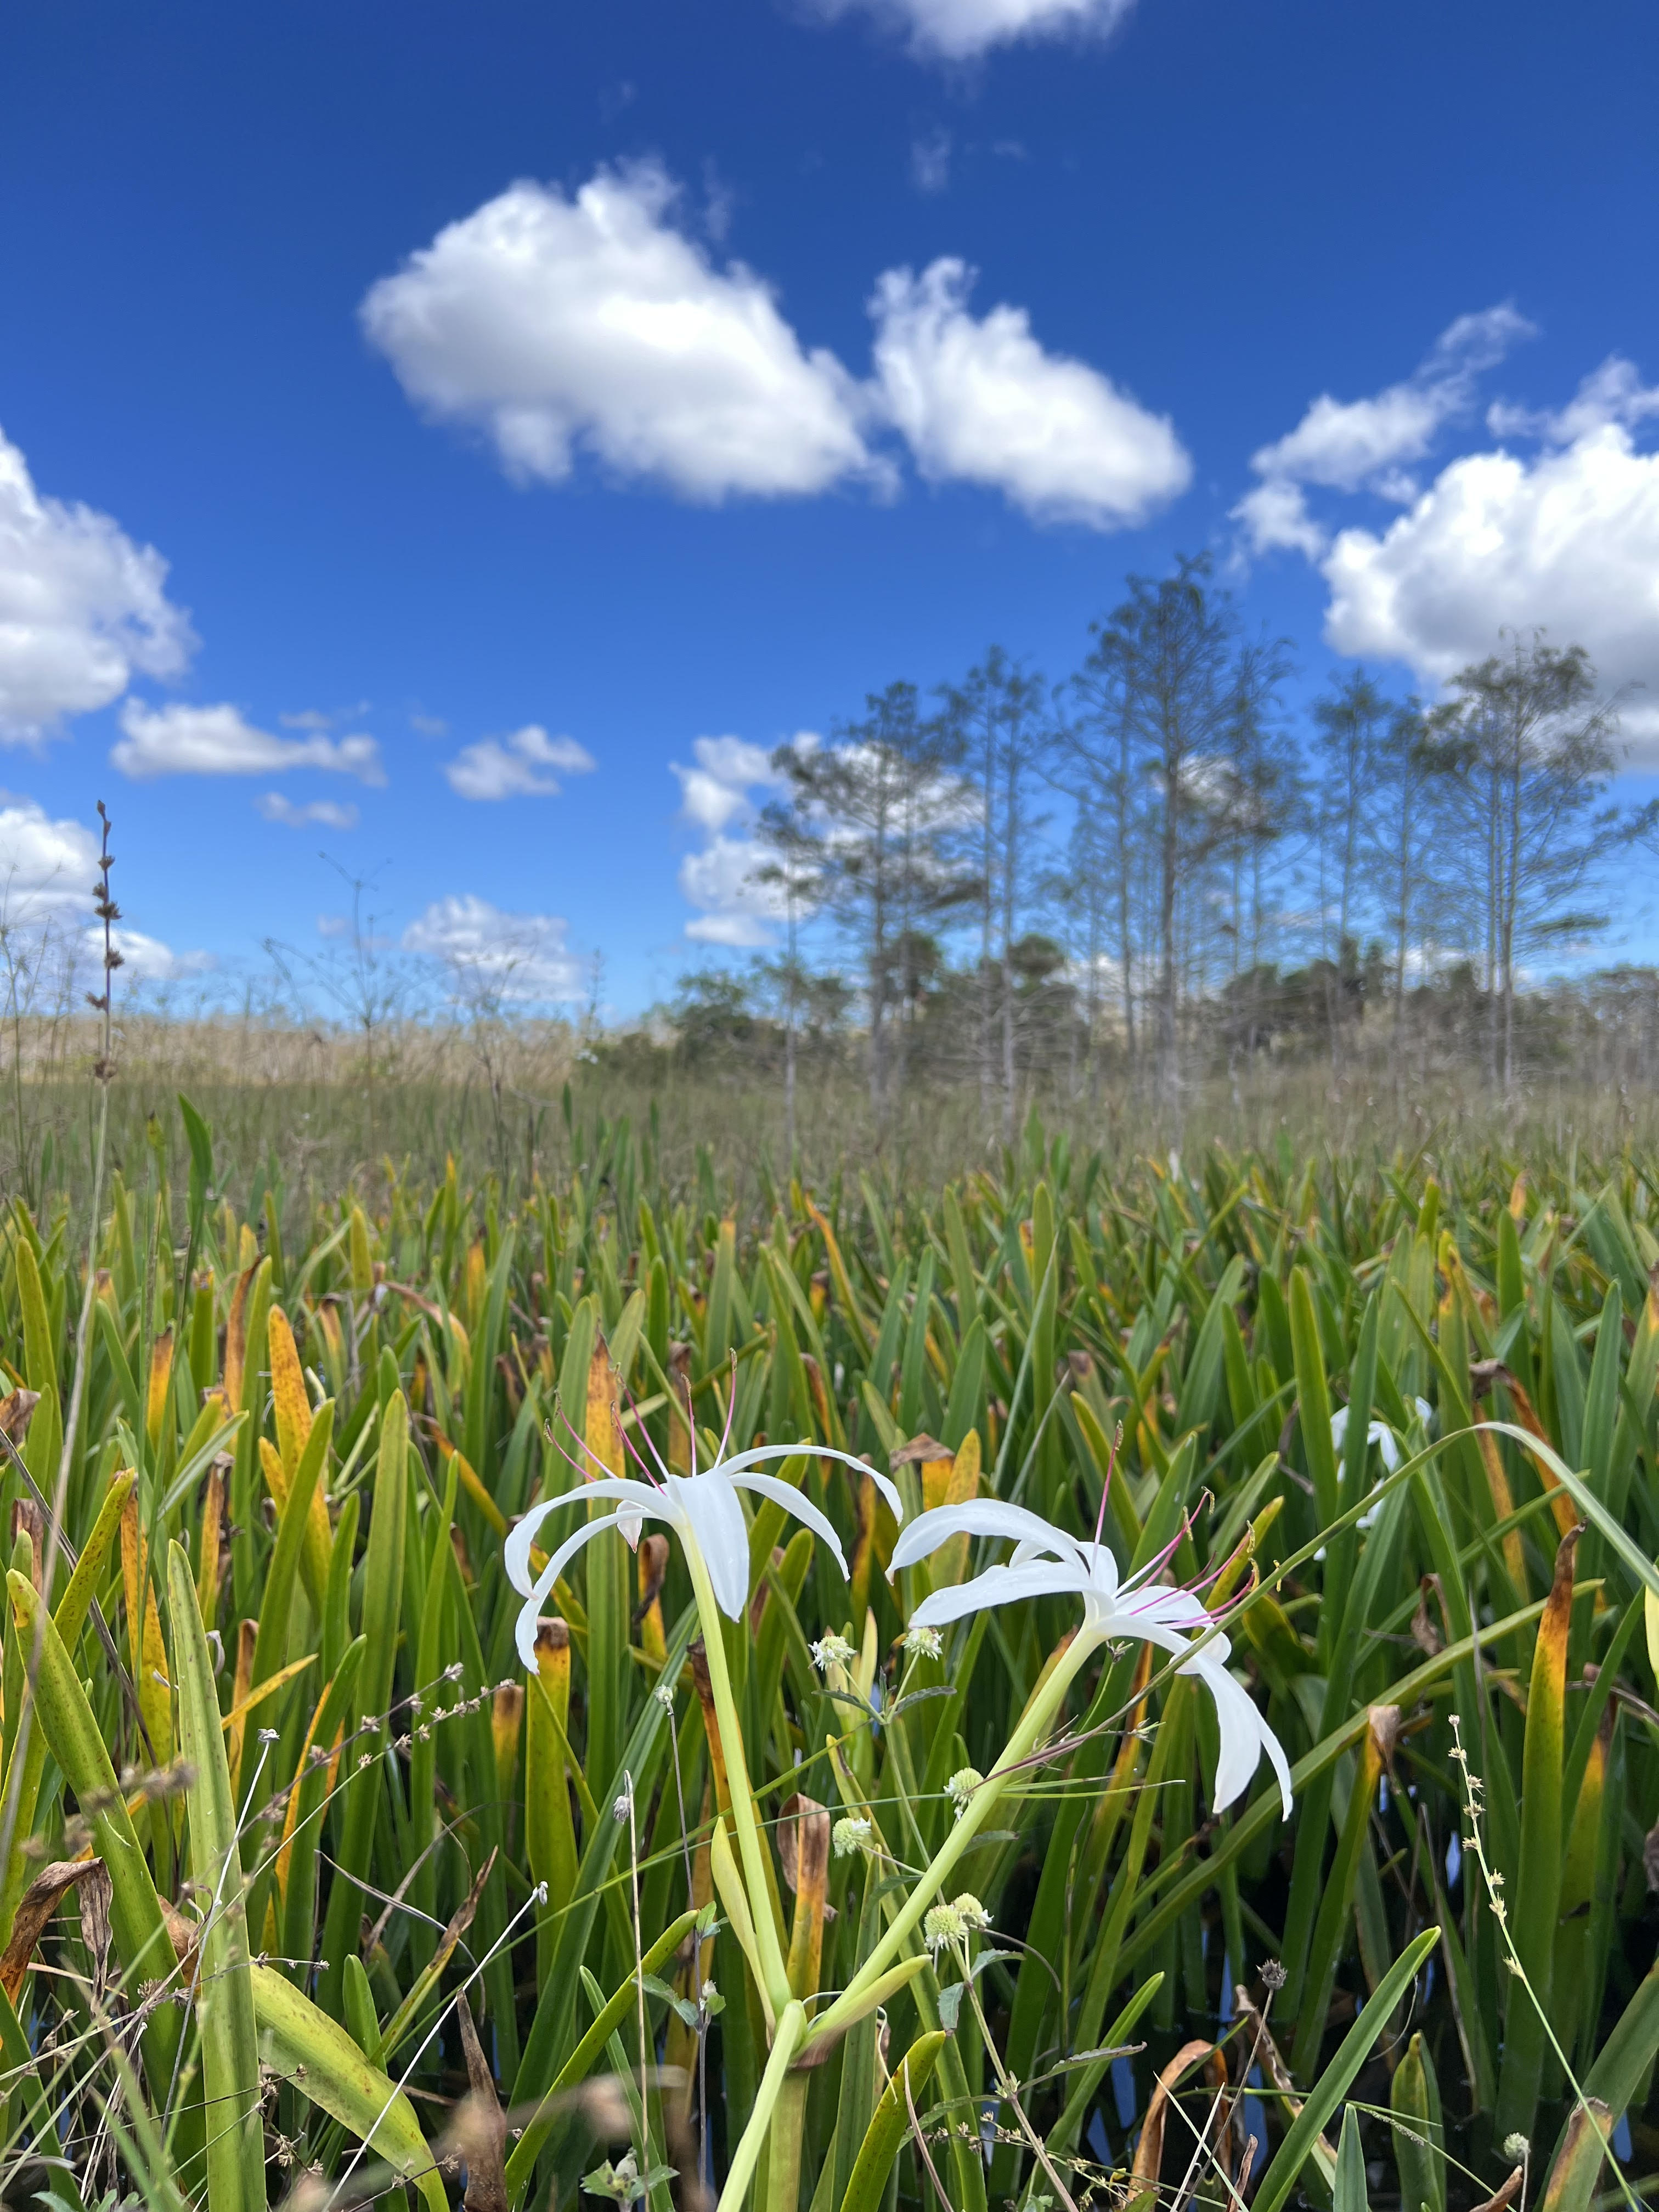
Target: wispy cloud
322 813
181 740
525 764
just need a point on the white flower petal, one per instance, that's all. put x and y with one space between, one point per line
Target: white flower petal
734 1466
1244 1736
1339 1427
516 1551
1169 1608
1382 1436
792 1500
980 1516
709 1504
530 1612
997 1586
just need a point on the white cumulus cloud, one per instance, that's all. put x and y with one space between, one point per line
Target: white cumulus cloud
1568 538
956 30
1346 445
181 740
525 764
714 791
319 813
45 866
48 871
82 609
981 401
598 324
735 909
143 959
492 957
721 794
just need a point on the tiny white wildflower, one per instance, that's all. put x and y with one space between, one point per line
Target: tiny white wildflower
923 1643
664 1694
961 1787
851 1833
943 1925
954 1923
832 1651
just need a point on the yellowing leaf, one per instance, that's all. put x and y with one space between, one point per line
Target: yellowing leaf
287 1391
160 1374
149 1654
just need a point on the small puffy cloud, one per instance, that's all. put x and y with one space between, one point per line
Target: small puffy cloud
1275 516
1568 539
1346 445
520 959
83 608
736 910
981 401
318 813
48 870
956 30
46 867
143 959
181 740
716 791
597 325
721 793
525 765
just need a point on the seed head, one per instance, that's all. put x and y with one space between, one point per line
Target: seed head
961 1787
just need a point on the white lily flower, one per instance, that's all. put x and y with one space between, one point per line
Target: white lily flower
1378 1433
703 1511
1047 1562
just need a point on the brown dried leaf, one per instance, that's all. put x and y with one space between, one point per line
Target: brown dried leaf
36 1907
918 1451
480 2129
16 1410
1425 1635
1507 2195
1149 2151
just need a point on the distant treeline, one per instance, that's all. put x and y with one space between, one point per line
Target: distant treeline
1152 872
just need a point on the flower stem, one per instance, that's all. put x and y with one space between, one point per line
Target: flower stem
751 1848
784 2151
1033 1726
791 2034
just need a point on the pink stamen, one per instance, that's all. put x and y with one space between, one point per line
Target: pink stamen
1106 1486
632 1447
731 1404
1155 1566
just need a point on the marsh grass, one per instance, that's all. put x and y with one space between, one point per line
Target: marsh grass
327 1807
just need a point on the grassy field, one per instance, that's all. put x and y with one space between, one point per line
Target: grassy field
744 1883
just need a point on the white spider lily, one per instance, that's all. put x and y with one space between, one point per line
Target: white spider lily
1378 1433
703 1511
1387 1445
1048 1563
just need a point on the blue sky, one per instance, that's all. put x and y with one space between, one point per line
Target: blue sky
429 471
